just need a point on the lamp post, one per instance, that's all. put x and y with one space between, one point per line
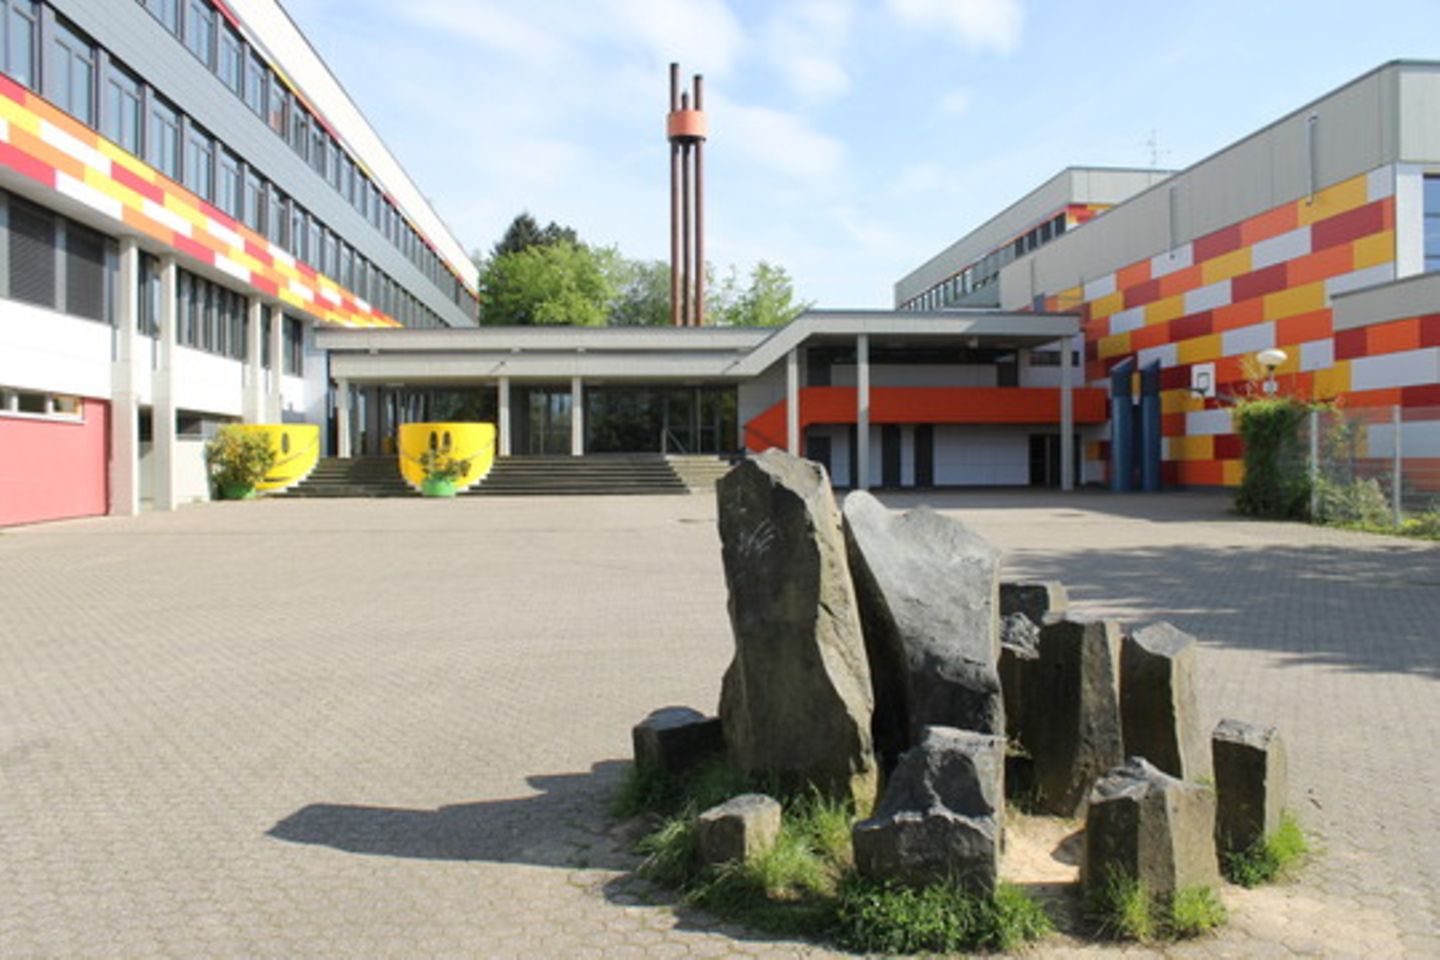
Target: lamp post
1270 359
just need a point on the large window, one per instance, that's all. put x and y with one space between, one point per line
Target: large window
276 224
163 135
70 81
1432 222
228 187
200 30
19 22
124 106
211 317
294 359
255 84
275 111
85 273
167 12
251 203
200 163
230 61
148 321
32 253
57 263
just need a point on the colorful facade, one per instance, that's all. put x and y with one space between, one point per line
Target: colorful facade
1256 247
186 197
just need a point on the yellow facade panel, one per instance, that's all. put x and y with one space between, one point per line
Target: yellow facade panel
177 206
1374 250
1296 300
1332 381
1106 305
1113 346
17 116
1163 311
1180 401
1200 447
1198 349
1345 195
124 159
1225 266
1232 472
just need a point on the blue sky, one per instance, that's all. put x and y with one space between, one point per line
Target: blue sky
849 140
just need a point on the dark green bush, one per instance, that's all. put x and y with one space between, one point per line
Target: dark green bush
1276 485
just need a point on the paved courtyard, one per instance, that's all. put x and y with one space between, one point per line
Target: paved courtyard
391 728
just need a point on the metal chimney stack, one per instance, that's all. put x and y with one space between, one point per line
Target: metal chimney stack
686 128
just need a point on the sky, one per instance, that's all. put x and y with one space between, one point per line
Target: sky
850 141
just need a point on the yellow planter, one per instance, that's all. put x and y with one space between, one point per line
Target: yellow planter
297 450
462 441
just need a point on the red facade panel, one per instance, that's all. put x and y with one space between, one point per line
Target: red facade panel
54 469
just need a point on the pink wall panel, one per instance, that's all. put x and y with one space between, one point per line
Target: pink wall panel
51 470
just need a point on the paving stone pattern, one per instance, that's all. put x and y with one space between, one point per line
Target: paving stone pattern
391 728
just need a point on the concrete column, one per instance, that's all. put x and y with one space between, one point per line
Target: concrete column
254 365
792 402
373 418
343 425
503 427
125 379
862 412
275 407
577 417
167 494
1067 415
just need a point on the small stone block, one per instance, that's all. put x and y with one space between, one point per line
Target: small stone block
1250 783
674 739
1157 701
1040 601
739 829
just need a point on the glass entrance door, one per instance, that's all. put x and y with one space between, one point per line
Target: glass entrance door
548 416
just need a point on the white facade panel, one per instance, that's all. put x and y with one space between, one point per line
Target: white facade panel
1278 249
1259 336
1208 422
1409 219
47 351
758 394
981 456
1406 369
1102 287
207 383
1178 259
1317 355
1126 320
1208 298
1379 183
1166 353
1359 279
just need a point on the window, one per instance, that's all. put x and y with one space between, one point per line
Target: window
200 163
228 189
148 322
276 111
298 233
255 85
318 144
251 203
1432 223
294 358
20 26
163 134
167 12
85 272
200 30
299 130
276 225
32 253
70 82
267 317
124 108
231 59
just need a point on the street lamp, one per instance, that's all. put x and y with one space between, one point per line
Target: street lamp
1271 358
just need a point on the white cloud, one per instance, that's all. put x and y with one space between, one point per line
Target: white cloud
497 26
780 141
976 24
955 103
805 43
702 35
815 78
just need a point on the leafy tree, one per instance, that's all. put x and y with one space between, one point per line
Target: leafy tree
769 300
549 283
525 232
643 294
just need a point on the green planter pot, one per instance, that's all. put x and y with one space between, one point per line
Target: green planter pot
438 488
237 491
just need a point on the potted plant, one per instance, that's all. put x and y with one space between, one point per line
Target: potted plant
238 459
441 473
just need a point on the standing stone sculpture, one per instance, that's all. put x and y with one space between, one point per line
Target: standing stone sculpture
941 815
1151 827
796 701
1070 723
1250 783
928 588
1157 701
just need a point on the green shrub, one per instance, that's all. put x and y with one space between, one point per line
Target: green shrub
1276 484
1359 502
878 917
1123 908
439 465
1426 525
238 458
1271 858
1194 911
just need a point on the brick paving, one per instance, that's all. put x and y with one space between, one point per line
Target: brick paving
391 728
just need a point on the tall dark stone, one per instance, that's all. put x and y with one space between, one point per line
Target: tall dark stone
1157 701
928 591
1251 779
796 701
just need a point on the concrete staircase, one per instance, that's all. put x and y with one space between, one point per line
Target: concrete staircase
600 474
699 471
356 477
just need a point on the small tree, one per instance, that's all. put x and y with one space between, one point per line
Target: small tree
238 459
1277 481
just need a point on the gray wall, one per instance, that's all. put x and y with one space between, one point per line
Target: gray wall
130 33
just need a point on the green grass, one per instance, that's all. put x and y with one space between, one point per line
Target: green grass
1270 859
806 885
1122 908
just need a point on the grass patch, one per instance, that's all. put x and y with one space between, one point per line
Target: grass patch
1270 859
807 885
877 917
1122 908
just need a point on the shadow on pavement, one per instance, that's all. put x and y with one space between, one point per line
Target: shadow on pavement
1370 609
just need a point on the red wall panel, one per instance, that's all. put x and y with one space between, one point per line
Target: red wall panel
53 469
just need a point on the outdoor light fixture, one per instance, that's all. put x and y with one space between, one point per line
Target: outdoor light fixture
1270 359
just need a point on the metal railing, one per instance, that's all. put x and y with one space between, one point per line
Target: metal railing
1376 466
